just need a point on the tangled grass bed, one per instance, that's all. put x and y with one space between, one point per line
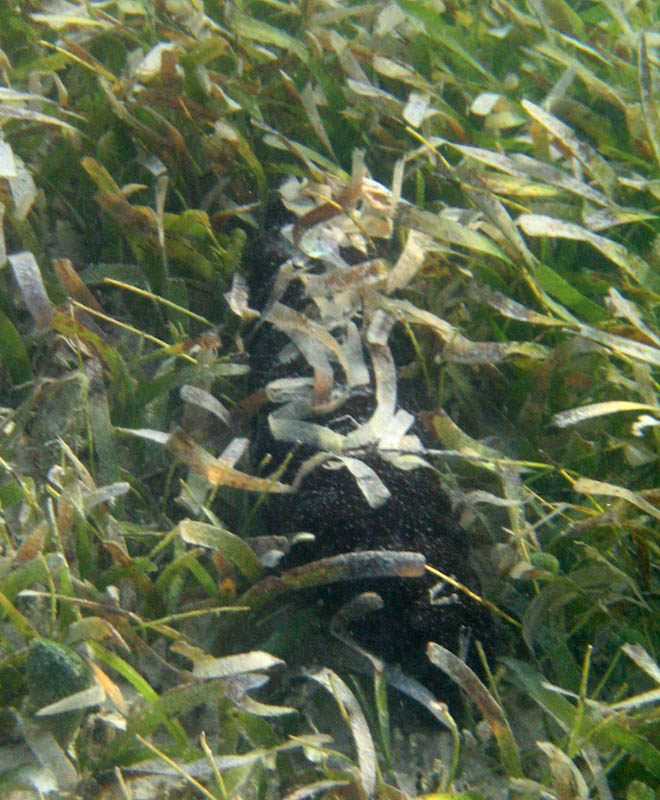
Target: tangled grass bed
517 147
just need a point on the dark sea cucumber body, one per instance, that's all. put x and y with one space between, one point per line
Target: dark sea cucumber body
417 517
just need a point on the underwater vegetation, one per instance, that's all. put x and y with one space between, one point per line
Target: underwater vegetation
329 354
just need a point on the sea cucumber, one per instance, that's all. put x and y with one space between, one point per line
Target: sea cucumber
327 353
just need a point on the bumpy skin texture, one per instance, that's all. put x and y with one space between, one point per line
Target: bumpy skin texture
417 517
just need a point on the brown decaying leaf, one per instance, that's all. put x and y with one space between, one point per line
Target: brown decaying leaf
71 282
31 547
458 347
346 200
111 689
124 560
136 218
218 472
333 283
621 346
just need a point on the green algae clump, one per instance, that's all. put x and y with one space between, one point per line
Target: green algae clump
53 672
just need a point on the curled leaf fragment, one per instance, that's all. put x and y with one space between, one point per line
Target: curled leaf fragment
374 490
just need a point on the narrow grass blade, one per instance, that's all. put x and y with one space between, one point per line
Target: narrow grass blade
461 674
646 91
604 733
352 712
222 541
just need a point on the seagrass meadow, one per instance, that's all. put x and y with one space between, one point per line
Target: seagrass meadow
329 399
